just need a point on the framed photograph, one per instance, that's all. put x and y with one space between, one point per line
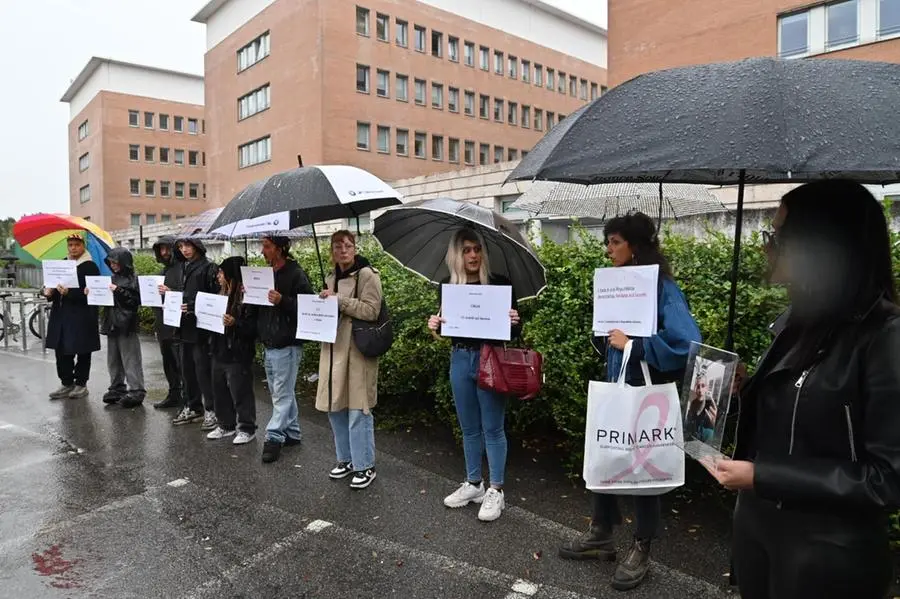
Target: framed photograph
705 398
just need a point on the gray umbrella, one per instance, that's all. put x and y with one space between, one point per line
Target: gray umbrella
418 233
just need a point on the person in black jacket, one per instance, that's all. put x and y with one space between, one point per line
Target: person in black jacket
169 345
232 361
73 328
277 330
817 457
120 325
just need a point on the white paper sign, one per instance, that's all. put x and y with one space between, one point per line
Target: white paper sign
257 284
476 311
172 308
60 272
210 309
625 298
149 287
98 291
317 319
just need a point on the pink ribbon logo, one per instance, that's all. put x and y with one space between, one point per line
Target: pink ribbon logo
641 455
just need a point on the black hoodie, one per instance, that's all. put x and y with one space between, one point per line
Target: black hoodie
198 275
277 325
172 274
121 318
237 344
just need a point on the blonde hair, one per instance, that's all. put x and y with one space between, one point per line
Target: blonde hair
455 262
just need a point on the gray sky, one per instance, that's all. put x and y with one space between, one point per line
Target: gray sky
50 41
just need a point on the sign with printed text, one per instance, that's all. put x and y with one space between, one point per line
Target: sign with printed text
625 298
317 318
476 311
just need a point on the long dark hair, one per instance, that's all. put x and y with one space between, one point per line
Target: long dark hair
638 230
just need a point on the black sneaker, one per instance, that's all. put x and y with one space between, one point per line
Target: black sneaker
362 479
131 401
342 470
171 401
111 397
291 442
271 451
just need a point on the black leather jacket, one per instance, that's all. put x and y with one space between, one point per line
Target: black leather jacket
828 439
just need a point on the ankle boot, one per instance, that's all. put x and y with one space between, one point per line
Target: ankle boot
633 569
596 543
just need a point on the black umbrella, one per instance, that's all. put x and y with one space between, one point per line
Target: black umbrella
761 120
418 233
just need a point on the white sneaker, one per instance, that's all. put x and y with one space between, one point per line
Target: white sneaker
466 493
243 437
493 504
219 433
209 421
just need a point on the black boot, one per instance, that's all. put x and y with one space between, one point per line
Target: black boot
172 400
596 543
111 396
633 569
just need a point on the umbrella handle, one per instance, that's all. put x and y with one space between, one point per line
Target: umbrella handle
318 254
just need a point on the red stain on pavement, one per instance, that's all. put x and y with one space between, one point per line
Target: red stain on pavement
51 563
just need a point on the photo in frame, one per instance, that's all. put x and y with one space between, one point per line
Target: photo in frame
705 399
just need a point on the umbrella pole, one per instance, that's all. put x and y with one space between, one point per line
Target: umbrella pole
318 254
358 234
659 220
735 262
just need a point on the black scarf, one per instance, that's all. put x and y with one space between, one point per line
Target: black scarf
359 263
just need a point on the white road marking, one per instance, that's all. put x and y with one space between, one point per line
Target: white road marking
317 526
178 482
524 587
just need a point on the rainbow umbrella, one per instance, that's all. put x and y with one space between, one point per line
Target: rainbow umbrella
44 237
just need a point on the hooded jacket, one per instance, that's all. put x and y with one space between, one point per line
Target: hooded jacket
172 275
277 325
238 343
198 275
121 318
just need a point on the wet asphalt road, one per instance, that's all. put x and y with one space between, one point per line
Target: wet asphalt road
105 502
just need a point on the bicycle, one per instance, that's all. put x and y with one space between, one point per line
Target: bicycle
32 315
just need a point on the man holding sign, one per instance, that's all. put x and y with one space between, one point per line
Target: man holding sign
169 344
72 331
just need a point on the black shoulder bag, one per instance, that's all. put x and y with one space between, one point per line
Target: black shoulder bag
373 339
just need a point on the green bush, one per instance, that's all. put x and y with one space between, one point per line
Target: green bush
145 264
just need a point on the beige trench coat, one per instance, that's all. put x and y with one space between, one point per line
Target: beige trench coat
354 377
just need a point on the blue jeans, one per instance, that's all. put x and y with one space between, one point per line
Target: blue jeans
481 417
354 438
281 373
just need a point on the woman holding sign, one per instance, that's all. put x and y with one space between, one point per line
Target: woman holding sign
481 412
348 380
631 240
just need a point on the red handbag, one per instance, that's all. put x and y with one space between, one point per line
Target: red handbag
510 371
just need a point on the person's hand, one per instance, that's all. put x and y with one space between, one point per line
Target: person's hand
228 320
434 322
184 308
47 292
514 317
734 475
274 297
62 290
163 289
326 293
87 291
618 339
712 411
113 287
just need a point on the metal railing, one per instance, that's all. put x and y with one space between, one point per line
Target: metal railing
28 305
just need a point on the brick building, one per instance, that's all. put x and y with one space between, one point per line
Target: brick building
701 31
137 144
398 87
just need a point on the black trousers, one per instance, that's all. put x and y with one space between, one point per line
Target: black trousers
792 554
235 404
72 372
171 359
196 368
646 514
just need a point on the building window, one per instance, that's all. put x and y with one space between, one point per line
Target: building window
164 155
793 35
437 96
538 119
561 88
253 52
469 99
843 24
134 152
419 145
453 99
469 54
513 64
133 118
512 115
402 33
135 220
437 44
562 117
469 152
383 83
498 62
179 190
498 154
484 151
888 18
149 153
584 89
420 91
550 118
254 102
453 49
82 130
164 122
594 92
151 219
484 106
382 27
419 32
526 71
134 186
193 190
484 58
526 116
403 88
437 147
148 120
149 188
84 162
362 78
179 157
193 157
573 86
192 126
498 110
179 124
362 21
165 218
402 142
362 136
512 154
453 150
164 189
551 79
538 75
84 194
384 139
204 191
255 152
